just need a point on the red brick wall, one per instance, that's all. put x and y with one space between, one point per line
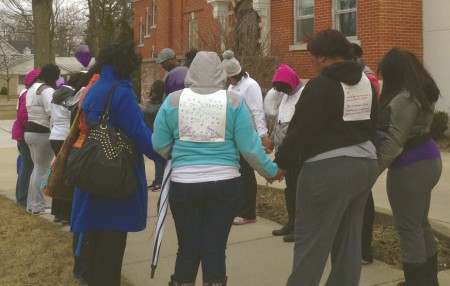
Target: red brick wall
382 25
172 30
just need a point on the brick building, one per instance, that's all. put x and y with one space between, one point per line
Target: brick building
377 25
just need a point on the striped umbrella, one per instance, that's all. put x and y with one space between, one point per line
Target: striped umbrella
162 206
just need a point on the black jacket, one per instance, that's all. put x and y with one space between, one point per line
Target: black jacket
317 125
150 111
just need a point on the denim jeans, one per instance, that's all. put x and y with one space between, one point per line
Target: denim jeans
203 215
159 172
23 177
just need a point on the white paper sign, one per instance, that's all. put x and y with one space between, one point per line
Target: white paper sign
287 106
202 117
357 100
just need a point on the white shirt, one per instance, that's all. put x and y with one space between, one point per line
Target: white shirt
250 91
39 106
60 122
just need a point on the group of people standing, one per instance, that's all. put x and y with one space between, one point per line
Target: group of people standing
333 137
42 124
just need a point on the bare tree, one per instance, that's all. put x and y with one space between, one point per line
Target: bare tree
16 20
42 20
247 42
104 17
70 25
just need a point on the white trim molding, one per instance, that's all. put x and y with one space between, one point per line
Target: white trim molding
262 7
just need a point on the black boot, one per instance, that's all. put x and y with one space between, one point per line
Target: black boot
414 274
176 282
431 271
285 230
290 237
221 282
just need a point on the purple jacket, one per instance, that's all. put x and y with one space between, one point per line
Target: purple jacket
22 118
175 80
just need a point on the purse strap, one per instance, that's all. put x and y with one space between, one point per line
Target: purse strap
107 104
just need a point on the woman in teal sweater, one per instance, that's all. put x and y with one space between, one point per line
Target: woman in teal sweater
204 128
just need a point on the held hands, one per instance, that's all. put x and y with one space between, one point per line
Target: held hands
267 144
279 177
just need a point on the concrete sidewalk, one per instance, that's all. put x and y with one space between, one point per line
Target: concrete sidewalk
254 256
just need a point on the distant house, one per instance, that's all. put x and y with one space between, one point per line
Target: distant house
20 62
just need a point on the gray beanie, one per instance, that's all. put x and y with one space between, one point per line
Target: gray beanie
231 65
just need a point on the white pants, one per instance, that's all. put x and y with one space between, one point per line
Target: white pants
42 156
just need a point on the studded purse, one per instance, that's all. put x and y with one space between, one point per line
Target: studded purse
104 165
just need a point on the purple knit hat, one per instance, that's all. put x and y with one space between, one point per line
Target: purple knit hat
30 77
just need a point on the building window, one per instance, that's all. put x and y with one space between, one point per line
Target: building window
304 19
148 22
141 32
193 34
154 10
345 17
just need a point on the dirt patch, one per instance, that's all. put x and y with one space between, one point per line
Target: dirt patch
33 251
8 112
444 143
386 246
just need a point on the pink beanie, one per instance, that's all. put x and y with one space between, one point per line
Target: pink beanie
285 74
30 77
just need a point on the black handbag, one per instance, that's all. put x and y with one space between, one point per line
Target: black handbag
104 165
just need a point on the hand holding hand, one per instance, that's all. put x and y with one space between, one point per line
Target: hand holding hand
267 144
279 177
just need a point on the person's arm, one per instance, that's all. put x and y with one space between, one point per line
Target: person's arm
311 115
249 144
47 96
22 114
403 113
131 120
254 101
163 137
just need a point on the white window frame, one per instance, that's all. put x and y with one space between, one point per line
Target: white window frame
298 45
147 22
141 32
193 34
154 14
337 13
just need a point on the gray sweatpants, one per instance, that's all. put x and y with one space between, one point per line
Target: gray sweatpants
331 196
42 156
409 191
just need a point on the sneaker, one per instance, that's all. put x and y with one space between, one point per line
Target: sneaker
366 262
42 212
65 222
151 186
241 221
57 219
290 237
285 230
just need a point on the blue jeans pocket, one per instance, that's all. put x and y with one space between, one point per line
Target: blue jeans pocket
229 190
177 193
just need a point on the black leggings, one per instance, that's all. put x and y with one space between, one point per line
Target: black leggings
105 255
